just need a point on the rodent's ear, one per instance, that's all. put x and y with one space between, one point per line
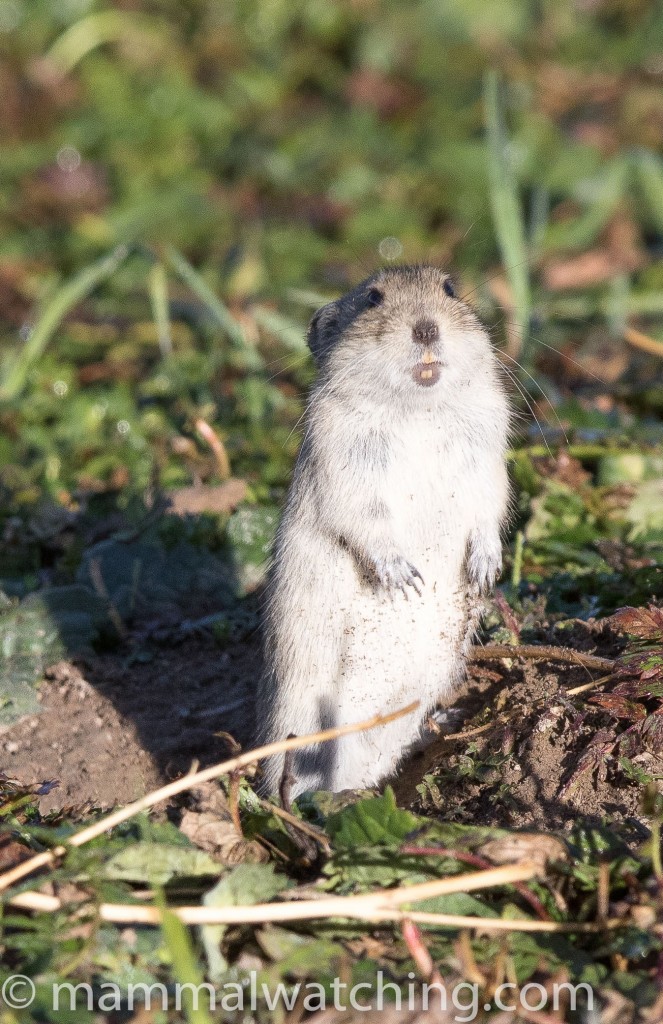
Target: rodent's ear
321 331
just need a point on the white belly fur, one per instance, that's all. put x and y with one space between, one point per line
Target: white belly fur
365 652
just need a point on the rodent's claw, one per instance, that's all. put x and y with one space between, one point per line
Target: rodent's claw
396 574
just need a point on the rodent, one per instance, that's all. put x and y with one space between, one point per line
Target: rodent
392 526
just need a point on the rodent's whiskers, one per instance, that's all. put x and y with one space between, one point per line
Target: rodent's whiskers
569 359
534 338
486 280
332 381
297 361
551 348
523 394
534 381
299 420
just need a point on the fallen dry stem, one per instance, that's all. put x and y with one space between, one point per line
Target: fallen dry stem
217 446
189 781
541 652
588 686
382 906
309 830
501 719
363 906
449 736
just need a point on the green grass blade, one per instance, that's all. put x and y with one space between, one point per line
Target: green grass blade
158 287
199 287
506 207
185 965
66 297
616 304
607 191
289 333
96 30
649 179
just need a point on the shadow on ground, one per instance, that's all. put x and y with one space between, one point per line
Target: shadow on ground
115 722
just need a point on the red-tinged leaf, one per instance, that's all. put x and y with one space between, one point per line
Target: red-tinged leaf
651 692
645 623
653 668
652 737
629 689
620 708
636 663
647 734
639 687
601 744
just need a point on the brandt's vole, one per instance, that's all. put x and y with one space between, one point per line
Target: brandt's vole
391 529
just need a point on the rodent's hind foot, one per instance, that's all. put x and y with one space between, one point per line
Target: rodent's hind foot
484 560
396 573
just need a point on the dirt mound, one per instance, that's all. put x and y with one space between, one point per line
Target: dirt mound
113 727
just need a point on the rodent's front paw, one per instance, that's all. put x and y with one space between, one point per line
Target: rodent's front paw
396 573
484 561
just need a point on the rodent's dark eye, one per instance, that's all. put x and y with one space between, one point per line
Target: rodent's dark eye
375 297
449 289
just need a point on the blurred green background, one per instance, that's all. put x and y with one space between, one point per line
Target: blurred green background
183 183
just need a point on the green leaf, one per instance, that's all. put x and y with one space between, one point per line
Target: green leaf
95 30
649 178
243 886
159 863
634 772
246 884
601 195
628 467
376 821
457 903
300 955
645 512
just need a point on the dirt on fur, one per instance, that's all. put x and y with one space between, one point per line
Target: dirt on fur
112 727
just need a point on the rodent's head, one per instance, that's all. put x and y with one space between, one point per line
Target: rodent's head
407 330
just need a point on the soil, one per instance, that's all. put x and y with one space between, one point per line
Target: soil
112 727
519 772
110 730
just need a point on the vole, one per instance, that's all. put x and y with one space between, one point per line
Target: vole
391 530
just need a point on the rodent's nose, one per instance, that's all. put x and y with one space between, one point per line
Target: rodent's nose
425 331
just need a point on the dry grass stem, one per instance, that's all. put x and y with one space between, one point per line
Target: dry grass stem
189 781
363 906
541 652
309 830
381 906
643 342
